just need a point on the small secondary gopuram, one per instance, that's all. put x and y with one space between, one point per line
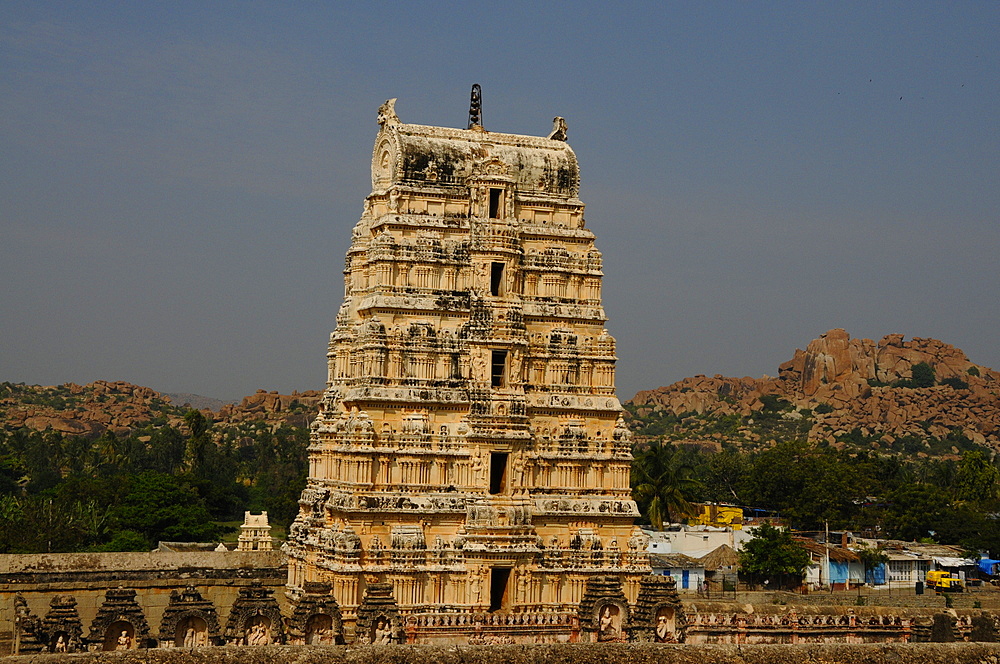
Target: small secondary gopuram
470 465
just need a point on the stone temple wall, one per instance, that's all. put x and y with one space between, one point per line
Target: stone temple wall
183 600
86 578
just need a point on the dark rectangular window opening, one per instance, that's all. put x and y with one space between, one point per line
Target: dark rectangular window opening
498 472
495 195
496 278
499 576
499 368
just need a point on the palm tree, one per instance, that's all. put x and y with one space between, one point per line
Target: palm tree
663 483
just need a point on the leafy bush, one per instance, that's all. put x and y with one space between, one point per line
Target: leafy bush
774 404
955 383
921 375
823 409
973 371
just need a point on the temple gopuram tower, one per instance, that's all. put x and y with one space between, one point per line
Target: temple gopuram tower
470 451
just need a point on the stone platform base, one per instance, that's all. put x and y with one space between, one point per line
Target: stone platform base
922 653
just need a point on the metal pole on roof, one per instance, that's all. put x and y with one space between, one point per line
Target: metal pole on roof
826 547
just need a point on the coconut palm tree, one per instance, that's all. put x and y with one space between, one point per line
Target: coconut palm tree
663 484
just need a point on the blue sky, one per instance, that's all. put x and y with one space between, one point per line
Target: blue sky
179 180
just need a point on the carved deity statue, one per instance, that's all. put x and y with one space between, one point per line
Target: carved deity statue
664 630
480 367
609 623
475 580
258 633
383 632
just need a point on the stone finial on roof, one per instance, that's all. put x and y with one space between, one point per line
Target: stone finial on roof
558 129
476 107
387 113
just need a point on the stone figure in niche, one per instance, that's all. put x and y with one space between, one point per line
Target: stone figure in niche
609 623
479 367
515 367
474 583
519 470
120 635
319 630
61 644
192 632
478 466
664 630
259 632
522 587
382 633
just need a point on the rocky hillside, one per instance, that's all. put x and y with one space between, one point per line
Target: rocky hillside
921 396
123 407
298 408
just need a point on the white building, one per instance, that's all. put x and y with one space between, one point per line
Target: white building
694 541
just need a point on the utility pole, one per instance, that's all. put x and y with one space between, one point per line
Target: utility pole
826 548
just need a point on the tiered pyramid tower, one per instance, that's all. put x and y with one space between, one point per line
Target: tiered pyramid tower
470 449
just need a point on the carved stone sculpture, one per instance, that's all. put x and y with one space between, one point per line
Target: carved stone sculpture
316 617
255 618
604 611
189 621
61 628
378 617
120 623
659 614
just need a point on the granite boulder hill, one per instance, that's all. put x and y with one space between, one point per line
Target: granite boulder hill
119 406
855 388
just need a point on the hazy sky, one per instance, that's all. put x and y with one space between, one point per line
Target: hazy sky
178 180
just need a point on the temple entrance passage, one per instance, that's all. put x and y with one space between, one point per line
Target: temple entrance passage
499 576
498 472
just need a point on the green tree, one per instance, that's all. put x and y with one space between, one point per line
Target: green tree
914 510
198 443
807 484
977 479
164 507
871 558
773 556
662 484
725 476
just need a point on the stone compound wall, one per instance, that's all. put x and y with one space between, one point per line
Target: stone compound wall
87 577
964 653
249 588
